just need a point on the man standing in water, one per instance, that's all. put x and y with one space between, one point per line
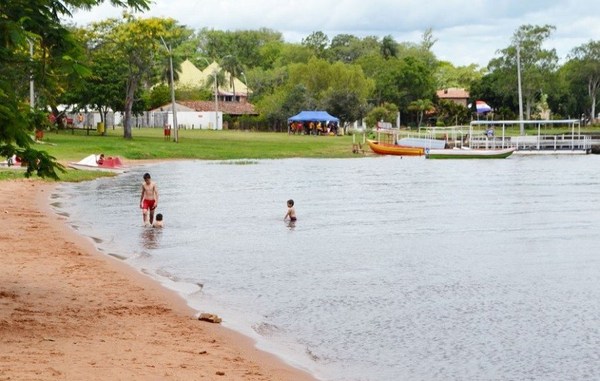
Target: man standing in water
148 199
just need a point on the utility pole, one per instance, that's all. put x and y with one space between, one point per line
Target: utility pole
173 108
246 84
522 126
216 100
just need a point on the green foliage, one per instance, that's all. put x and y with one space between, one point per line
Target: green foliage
389 47
585 70
246 45
160 95
54 64
317 42
234 68
386 112
346 105
186 93
420 106
447 75
399 80
137 43
316 84
452 114
538 65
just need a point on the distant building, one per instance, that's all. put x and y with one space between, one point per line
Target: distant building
191 76
456 95
199 114
202 114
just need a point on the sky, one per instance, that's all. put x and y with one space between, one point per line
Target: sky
467 32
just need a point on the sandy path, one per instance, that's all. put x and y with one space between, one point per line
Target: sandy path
68 312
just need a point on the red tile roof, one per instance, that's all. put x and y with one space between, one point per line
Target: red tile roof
230 108
453 93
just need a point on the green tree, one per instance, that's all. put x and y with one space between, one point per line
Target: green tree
159 95
348 106
399 81
586 68
538 65
447 75
567 94
233 67
317 42
321 77
387 112
137 43
103 88
37 22
420 106
246 45
427 39
344 48
452 113
277 107
389 47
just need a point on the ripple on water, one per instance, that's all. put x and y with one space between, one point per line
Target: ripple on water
395 270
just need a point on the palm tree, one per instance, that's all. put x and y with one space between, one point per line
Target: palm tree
214 80
420 106
233 66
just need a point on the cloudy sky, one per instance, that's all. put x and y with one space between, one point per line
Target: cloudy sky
466 31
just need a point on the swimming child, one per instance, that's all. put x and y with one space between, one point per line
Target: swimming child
291 212
148 199
158 223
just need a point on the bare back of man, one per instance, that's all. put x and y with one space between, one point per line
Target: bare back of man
148 199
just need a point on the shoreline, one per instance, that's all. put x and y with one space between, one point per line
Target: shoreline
68 311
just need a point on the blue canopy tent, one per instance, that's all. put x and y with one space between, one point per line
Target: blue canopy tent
312 116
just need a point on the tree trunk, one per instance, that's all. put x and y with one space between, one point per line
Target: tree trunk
103 119
131 87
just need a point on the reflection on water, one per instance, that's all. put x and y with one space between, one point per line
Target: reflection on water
291 225
150 238
399 270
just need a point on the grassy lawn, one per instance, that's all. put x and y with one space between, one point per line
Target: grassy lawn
148 143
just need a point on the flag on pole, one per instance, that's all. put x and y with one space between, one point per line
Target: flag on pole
482 107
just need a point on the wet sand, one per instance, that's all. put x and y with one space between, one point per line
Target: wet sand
68 312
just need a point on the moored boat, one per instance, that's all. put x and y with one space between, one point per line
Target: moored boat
394 149
466 153
100 163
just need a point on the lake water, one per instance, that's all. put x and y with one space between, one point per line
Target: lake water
397 268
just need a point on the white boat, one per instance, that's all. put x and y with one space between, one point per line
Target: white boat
96 163
13 162
422 142
466 153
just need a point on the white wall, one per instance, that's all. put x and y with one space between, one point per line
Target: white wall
92 118
197 120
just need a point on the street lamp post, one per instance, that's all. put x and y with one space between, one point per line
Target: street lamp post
173 108
216 100
522 126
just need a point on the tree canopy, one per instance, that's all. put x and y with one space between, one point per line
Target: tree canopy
35 26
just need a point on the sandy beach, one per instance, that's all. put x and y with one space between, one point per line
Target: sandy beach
68 312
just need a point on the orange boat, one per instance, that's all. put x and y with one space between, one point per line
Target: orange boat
393 149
